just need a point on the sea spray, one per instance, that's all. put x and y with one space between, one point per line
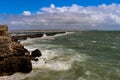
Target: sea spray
54 58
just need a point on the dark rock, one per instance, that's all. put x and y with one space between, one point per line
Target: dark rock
12 64
24 37
36 53
35 59
36 35
14 58
25 65
53 33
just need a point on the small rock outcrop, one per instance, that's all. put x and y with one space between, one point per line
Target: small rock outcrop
35 53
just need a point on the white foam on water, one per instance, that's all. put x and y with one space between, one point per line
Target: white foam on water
47 61
66 33
81 78
93 41
48 37
18 76
88 73
57 35
4 78
53 60
28 41
44 35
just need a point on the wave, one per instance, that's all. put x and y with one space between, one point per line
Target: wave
54 57
56 35
53 60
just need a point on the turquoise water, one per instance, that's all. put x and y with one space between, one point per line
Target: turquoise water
85 55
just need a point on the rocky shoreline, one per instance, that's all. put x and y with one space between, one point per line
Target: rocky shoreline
14 57
35 35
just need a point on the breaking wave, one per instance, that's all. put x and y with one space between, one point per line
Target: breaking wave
54 57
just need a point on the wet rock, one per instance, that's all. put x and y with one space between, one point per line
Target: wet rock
14 58
36 53
24 37
35 59
53 33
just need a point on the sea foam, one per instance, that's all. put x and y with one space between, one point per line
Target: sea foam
53 57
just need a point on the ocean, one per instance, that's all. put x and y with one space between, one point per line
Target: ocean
84 55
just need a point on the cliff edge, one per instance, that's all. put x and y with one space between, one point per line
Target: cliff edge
14 57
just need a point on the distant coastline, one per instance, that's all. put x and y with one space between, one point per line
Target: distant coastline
49 30
55 30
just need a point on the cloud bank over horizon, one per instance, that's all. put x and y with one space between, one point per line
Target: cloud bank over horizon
102 17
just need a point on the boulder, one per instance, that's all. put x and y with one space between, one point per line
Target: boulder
36 53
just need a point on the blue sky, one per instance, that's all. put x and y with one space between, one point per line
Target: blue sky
18 6
60 14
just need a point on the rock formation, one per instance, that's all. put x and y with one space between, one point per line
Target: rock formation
35 53
15 58
24 37
53 33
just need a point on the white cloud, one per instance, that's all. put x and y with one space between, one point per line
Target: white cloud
52 6
26 13
70 17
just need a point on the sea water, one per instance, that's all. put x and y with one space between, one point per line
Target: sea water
85 55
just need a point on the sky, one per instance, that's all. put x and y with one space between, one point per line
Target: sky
60 14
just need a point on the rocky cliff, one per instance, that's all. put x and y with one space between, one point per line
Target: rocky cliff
14 57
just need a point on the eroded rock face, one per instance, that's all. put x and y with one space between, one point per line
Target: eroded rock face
14 58
17 49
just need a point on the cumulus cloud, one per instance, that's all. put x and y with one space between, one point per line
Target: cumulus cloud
52 6
26 13
69 17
